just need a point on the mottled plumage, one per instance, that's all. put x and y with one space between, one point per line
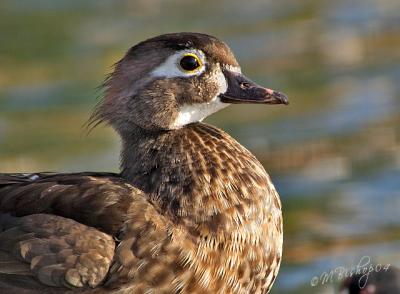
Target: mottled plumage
192 211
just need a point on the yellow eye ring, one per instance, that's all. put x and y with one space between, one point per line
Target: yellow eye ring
190 62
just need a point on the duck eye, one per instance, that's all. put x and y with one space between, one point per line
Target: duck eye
190 62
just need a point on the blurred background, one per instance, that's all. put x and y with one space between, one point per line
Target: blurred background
334 153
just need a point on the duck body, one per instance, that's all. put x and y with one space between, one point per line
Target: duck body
192 211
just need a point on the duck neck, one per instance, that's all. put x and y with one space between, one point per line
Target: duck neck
160 164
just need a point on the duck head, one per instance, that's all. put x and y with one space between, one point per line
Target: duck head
172 80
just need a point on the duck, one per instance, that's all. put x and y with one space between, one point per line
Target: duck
191 211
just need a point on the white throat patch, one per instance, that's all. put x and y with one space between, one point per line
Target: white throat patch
197 112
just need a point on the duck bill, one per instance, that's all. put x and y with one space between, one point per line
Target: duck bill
243 90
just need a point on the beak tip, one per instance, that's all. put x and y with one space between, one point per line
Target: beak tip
281 97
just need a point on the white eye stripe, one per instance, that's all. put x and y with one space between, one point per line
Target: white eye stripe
233 68
170 68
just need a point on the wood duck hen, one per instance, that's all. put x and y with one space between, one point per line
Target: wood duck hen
192 210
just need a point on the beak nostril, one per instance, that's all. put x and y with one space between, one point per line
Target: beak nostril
245 85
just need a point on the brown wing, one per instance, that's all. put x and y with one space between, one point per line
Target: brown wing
42 250
99 200
58 230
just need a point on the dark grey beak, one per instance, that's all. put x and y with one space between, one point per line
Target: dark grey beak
242 90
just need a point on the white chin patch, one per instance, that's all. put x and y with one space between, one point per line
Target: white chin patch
197 112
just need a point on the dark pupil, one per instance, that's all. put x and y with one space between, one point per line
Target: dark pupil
189 63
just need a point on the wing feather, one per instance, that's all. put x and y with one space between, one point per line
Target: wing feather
58 231
100 200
